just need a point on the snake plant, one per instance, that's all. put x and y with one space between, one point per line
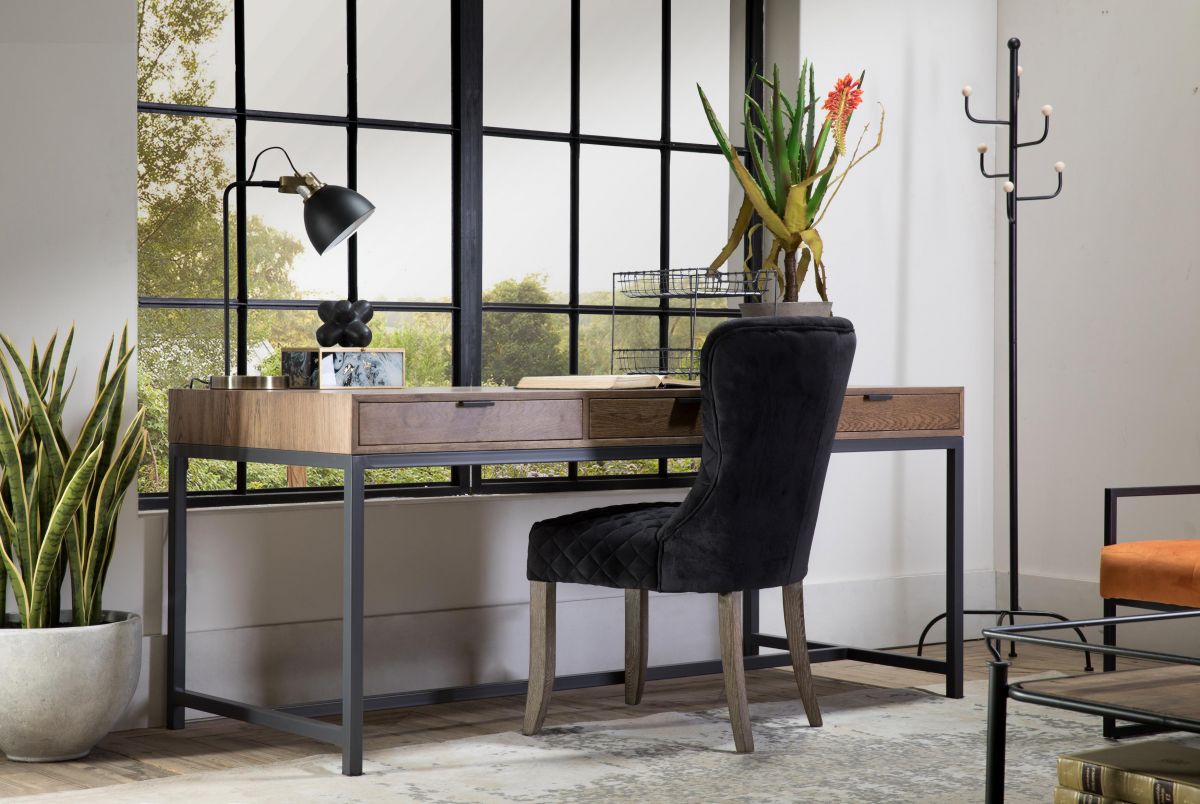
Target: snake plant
59 499
791 197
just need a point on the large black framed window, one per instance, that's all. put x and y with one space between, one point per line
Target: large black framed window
518 152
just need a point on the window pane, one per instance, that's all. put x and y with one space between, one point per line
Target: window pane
404 59
296 56
405 249
184 164
527 64
523 470
644 466
703 209
683 466
620 84
425 339
281 263
270 331
175 345
526 213
596 339
618 218
699 55
185 54
517 345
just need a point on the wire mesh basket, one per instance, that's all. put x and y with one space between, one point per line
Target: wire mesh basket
685 283
681 361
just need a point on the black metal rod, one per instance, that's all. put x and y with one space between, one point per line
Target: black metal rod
1008 630
997 727
1044 197
352 620
176 586
1041 139
1014 93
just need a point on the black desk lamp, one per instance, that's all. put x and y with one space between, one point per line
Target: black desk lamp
331 214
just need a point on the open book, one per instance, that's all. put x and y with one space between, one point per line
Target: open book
604 382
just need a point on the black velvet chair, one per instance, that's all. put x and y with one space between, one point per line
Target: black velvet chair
772 392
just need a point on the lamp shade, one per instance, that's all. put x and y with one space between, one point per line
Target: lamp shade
332 213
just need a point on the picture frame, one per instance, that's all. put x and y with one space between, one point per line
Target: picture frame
341 367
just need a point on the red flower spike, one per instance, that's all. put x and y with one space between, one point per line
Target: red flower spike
841 103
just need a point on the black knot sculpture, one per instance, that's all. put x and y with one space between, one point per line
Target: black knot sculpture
345 323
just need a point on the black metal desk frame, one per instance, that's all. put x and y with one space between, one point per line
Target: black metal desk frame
348 735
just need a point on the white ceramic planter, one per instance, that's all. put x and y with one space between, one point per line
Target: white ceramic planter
62 689
822 309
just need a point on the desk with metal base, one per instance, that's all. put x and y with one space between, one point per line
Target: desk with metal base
349 733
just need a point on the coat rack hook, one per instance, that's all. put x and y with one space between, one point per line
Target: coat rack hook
983 149
966 92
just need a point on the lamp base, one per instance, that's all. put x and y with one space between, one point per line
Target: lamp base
246 382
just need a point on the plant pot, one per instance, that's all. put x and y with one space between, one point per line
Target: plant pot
62 689
822 309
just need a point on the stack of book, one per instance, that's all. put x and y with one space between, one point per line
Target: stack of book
1157 772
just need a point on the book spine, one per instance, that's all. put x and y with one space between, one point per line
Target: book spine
1064 795
1136 788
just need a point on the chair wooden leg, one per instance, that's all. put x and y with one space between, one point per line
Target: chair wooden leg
637 636
542 611
729 616
793 620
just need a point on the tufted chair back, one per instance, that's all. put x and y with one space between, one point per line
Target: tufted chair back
772 392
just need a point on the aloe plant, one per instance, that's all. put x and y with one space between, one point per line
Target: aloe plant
59 499
791 190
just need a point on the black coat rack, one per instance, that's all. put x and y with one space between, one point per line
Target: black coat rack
1012 201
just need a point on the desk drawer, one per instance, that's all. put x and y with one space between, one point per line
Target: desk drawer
644 418
475 420
868 413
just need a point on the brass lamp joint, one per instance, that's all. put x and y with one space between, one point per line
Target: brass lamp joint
303 186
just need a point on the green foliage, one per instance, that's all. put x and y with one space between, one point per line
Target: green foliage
59 500
518 345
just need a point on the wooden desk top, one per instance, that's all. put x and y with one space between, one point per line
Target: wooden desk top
362 421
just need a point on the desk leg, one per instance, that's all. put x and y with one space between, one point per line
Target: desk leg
176 584
954 571
750 622
352 620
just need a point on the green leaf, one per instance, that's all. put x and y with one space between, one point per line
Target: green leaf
64 513
14 474
20 592
133 450
740 227
97 418
57 396
754 142
813 159
38 413
779 160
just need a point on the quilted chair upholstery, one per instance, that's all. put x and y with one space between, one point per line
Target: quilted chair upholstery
772 393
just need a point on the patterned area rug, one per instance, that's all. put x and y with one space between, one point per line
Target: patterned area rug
877 745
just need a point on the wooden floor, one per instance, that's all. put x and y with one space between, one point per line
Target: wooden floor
218 744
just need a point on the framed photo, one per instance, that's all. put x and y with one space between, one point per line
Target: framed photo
344 368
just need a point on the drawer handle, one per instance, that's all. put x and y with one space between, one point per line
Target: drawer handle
877 397
688 400
475 403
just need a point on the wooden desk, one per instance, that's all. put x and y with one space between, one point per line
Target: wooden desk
368 429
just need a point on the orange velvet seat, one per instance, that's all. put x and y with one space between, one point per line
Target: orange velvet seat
1165 571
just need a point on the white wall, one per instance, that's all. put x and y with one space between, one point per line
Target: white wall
910 253
909 250
1108 283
